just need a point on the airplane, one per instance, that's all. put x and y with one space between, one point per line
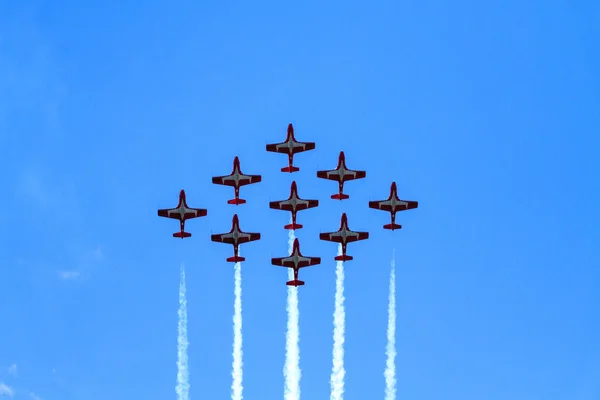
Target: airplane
393 204
235 237
341 174
294 204
290 147
344 236
296 261
182 212
237 179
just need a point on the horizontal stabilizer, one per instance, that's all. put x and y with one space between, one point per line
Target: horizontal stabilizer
343 258
295 283
292 226
182 234
236 259
392 226
290 169
340 196
236 201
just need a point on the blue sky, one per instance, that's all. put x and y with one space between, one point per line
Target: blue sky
487 114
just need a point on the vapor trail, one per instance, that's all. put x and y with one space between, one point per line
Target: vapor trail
390 351
236 374
339 327
291 370
183 385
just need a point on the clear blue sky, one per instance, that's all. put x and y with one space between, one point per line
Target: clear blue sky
487 113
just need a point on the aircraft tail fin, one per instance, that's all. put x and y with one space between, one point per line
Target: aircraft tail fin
182 234
290 169
295 283
392 226
292 226
236 201
343 258
236 259
340 196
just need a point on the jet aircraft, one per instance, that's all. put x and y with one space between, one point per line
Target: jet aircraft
182 212
290 147
294 204
296 261
344 236
235 237
237 179
341 174
393 205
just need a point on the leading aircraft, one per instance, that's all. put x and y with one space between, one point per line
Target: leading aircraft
235 237
344 236
290 147
341 174
182 212
237 179
296 261
293 204
393 205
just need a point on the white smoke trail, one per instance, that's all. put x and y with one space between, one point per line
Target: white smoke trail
236 374
339 327
291 370
390 351
183 385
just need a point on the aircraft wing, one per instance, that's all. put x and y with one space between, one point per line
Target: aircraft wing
287 205
351 236
243 237
303 262
334 175
229 180
188 213
297 147
386 205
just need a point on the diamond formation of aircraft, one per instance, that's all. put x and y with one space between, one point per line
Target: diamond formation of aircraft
296 261
290 147
341 174
393 205
293 204
344 236
237 179
235 237
182 212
